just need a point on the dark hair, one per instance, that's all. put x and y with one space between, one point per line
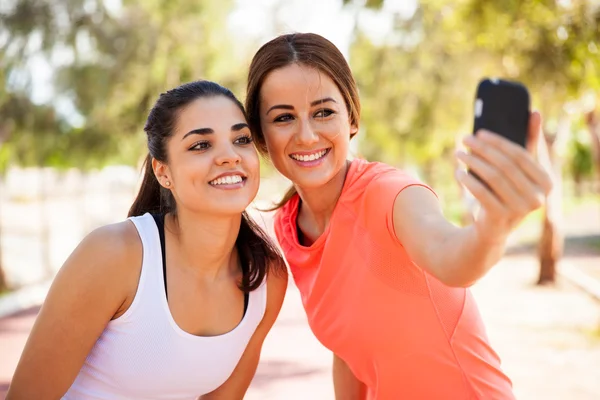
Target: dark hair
308 49
256 251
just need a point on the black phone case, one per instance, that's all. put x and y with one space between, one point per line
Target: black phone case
502 107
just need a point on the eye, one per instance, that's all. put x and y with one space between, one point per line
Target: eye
198 146
284 118
244 140
324 113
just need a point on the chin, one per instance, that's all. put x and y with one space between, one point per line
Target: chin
314 179
229 209
222 207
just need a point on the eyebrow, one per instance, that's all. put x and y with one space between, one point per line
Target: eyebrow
210 131
312 104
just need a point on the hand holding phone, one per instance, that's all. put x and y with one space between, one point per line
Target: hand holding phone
503 176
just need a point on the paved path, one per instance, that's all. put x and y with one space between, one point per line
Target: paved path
548 339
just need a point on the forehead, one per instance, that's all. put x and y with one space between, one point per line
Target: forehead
216 112
297 83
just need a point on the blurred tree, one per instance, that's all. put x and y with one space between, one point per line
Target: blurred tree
581 164
413 109
593 127
111 64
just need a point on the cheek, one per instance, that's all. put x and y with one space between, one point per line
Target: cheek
276 140
251 160
335 130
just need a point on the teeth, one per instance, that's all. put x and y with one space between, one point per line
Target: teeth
227 180
312 157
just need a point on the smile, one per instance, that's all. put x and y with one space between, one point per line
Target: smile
309 156
228 182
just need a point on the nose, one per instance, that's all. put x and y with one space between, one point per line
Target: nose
306 135
228 156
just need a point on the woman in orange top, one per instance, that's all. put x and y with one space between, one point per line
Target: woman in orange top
382 274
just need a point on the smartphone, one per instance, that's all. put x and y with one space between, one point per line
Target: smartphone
502 107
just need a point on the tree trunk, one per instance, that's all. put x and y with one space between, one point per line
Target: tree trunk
551 248
551 244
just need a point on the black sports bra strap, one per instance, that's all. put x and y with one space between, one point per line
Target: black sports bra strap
160 223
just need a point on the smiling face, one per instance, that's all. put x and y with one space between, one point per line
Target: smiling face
306 125
212 166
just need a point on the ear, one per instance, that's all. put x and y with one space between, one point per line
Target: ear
353 130
161 171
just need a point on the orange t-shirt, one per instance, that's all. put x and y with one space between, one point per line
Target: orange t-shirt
400 330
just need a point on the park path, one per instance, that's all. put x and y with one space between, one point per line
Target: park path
548 340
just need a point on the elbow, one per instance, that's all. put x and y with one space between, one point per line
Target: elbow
452 278
457 282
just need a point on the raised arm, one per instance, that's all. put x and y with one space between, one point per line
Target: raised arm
237 384
460 256
89 290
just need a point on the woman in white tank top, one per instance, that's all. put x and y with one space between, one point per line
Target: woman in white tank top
176 301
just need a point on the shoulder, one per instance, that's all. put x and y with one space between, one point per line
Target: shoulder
109 253
392 180
102 271
380 185
373 178
115 242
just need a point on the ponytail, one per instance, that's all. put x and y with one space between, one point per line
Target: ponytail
152 197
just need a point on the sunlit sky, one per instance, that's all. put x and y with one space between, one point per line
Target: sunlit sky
324 17
252 18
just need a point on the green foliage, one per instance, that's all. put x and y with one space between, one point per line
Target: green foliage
373 4
417 85
581 163
114 67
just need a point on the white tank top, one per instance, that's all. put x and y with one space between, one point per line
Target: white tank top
144 354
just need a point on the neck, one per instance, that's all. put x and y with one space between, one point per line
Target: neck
318 203
205 243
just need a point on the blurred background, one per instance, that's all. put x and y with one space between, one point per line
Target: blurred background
78 77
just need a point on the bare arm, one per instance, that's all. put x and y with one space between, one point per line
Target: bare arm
460 256
87 292
345 384
237 384
456 256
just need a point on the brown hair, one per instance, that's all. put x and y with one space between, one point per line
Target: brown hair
257 252
308 49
